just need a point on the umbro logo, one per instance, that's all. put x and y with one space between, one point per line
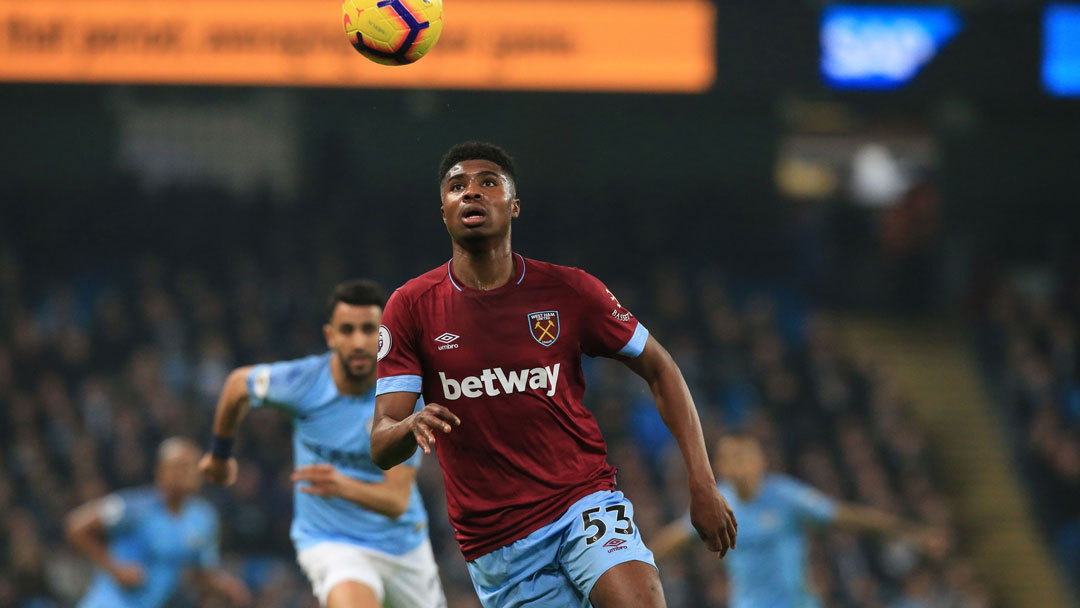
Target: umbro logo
615 544
447 340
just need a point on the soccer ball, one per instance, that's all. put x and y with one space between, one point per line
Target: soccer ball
392 32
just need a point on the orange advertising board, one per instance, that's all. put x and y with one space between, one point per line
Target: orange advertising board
586 45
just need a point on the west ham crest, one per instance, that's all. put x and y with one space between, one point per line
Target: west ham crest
544 326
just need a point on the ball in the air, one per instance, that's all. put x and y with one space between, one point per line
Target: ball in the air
392 32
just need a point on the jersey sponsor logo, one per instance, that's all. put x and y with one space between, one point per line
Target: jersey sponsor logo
194 539
339 457
384 342
544 326
622 316
769 519
447 341
494 382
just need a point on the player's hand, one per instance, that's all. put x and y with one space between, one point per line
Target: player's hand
713 519
128 576
235 590
433 417
221 472
322 479
934 542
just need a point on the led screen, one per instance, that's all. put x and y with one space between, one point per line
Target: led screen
1061 49
881 46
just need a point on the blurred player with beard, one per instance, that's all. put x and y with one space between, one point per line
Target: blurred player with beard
493 341
360 534
143 540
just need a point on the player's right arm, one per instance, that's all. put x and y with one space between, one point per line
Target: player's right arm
217 465
86 527
397 430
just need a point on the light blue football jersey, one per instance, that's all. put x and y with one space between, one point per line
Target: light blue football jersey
141 530
768 569
329 427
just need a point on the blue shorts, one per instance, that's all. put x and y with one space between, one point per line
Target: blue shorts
558 564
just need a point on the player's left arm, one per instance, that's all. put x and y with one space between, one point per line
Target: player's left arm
389 497
813 506
875 521
710 513
398 428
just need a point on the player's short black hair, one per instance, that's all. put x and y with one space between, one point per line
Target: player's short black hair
358 292
478 150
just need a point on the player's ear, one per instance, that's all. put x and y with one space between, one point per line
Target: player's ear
328 334
515 207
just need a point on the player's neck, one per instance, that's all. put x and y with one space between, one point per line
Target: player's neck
484 267
347 385
747 490
173 502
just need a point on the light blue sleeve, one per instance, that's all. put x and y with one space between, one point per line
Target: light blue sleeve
807 502
636 344
285 384
121 511
209 555
418 455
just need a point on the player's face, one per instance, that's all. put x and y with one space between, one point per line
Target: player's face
741 460
478 200
353 335
178 470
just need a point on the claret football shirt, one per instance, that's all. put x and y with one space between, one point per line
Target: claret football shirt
507 362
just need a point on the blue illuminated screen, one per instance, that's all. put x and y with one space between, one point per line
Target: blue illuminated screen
1061 49
881 46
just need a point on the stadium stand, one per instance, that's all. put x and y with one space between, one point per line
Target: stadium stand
1026 339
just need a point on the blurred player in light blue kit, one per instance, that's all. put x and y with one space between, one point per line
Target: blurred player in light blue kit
769 569
360 533
143 540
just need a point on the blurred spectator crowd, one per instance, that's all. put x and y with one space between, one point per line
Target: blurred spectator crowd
1028 341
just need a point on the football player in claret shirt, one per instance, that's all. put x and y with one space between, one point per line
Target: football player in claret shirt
493 341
